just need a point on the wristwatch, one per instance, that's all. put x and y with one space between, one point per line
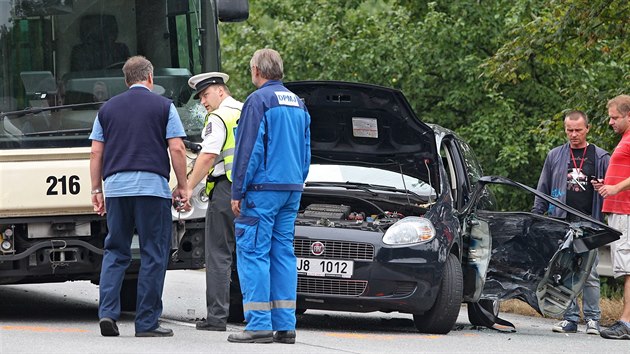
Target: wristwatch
96 191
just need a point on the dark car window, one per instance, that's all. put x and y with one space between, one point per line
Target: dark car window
456 172
449 167
473 168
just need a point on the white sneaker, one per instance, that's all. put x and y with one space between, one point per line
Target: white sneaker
592 327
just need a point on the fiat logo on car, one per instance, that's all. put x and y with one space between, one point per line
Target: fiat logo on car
317 248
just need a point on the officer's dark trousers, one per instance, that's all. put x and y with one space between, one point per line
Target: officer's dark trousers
219 248
151 217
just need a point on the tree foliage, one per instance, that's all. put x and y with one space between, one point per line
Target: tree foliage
500 73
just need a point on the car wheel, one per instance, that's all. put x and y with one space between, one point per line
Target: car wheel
487 317
129 295
442 316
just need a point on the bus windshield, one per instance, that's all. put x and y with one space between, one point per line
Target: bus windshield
60 59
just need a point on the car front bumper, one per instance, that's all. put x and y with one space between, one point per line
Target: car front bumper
385 278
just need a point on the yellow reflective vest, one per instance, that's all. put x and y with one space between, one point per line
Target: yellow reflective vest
229 116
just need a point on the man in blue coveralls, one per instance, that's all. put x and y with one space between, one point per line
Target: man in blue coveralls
272 158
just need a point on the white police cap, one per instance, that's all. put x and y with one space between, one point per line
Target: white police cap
201 81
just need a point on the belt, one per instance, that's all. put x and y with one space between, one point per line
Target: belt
216 179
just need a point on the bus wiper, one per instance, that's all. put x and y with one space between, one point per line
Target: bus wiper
59 131
192 146
36 110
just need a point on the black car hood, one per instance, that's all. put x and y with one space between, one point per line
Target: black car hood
362 124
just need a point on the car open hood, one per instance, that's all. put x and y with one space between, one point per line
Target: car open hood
361 124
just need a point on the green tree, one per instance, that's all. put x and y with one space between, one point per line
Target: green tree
576 49
499 73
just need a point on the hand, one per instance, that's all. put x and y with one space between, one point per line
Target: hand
187 206
181 197
597 183
98 202
178 205
236 207
607 190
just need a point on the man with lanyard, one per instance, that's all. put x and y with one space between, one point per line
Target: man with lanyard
566 176
214 163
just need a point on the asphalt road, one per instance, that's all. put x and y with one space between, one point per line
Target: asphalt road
62 318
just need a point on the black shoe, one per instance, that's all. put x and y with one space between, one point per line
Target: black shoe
251 337
205 326
158 332
287 337
108 327
617 331
565 326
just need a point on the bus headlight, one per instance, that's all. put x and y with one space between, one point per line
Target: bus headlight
7 241
409 230
6 245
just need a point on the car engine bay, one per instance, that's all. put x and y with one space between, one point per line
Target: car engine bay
353 212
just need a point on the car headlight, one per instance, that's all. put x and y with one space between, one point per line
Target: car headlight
411 229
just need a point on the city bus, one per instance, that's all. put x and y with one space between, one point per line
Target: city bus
59 61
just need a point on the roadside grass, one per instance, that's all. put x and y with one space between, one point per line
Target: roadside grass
611 309
610 304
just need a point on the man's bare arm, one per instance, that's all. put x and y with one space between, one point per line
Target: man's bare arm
612 189
202 166
178 160
96 176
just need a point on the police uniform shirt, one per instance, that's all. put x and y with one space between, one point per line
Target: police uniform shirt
213 136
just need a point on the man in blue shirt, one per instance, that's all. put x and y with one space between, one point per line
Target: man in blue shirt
271 162
131 139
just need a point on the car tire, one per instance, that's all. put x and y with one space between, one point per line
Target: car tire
129 295
476 318
443 314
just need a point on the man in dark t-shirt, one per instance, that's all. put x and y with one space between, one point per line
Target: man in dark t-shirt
580 170
566 176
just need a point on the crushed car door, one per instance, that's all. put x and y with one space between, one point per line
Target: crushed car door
541 260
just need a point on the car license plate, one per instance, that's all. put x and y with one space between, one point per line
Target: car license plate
319 267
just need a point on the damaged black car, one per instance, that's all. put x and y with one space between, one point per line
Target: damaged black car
396 216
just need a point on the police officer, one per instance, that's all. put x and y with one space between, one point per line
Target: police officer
272 159
214 163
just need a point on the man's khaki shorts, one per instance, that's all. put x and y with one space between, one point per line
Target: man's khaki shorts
620 249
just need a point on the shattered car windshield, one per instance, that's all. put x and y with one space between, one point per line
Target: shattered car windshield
368 175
